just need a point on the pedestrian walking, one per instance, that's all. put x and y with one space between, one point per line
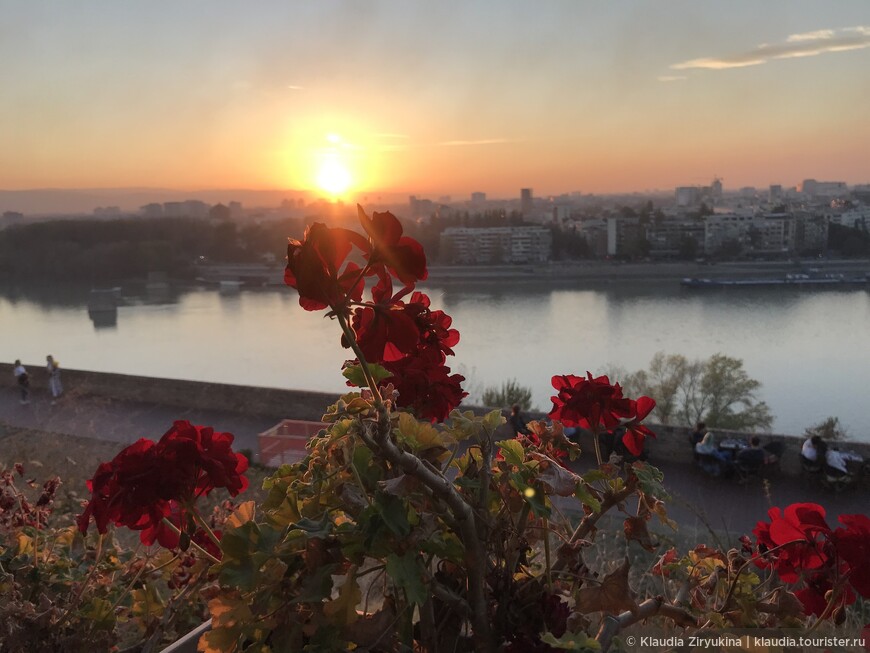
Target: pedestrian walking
23 381
53 369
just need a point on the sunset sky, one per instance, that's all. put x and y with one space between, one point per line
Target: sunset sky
433 97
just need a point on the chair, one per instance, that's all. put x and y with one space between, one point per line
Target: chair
810 469
836 480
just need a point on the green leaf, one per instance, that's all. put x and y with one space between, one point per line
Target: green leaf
394 514
445 545
594 475
464 425
650 480
492 420
537 500
586 497
513 452
314 529
422 436
571 642
406 573
354 374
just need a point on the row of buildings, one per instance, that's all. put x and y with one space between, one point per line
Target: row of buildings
726 235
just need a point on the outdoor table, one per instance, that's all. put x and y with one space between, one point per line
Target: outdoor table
732 445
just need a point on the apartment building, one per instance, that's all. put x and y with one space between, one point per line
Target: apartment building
493 245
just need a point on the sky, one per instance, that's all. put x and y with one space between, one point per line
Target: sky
433 98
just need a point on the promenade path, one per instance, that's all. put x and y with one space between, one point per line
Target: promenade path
698 501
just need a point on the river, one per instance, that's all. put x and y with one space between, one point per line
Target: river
810 349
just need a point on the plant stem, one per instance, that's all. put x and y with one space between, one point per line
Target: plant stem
196 546
354 345
208 531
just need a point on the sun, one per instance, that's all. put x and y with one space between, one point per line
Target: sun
333 175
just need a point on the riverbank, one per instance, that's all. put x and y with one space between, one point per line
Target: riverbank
641 272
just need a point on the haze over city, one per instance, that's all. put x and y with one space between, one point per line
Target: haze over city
344 98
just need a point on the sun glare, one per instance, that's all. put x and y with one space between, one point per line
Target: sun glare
333 176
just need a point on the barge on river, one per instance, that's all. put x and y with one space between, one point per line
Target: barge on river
789 280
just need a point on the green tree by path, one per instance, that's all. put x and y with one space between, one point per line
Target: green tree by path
509 393
717 391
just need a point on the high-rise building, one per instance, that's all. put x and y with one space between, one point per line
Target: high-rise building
526 200
478 198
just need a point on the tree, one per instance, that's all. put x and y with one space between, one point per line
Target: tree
828 429
662 380
724 396
509 393
717 391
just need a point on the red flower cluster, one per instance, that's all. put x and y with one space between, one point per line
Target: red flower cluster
824 559
406 337
594 403
148 481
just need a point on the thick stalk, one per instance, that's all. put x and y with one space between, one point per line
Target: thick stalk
649 608
474 552
588 522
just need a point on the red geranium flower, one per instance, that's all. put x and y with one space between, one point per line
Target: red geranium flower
132 490
206 456
317 267
593 403
425 385
385 330
434 327
403 256
148 481
800 524
635 432
589 402
853 547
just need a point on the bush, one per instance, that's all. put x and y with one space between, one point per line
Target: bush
509 393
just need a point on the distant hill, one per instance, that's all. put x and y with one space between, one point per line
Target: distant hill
47 201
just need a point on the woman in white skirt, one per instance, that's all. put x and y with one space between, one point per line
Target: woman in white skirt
53 369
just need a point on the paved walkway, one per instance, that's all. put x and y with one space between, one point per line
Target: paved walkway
698 500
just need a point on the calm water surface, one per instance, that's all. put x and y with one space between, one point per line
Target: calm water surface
810 349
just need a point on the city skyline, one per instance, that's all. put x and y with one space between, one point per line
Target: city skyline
450 99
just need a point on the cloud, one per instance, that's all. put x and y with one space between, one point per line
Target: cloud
484 141
671 78
811 36
807 44
293 87
391 136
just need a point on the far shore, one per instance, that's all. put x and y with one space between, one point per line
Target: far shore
609 271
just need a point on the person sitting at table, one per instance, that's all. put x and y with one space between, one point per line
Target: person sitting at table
810 448
712 460
752 457
698 434
835 464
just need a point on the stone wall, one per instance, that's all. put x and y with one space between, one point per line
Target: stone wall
671 444
245 400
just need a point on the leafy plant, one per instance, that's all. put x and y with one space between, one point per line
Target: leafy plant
828 429
509 393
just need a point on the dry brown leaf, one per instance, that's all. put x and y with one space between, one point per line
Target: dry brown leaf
635 529
559 480
613 595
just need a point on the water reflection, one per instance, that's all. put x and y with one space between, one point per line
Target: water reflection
104 318
807 348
